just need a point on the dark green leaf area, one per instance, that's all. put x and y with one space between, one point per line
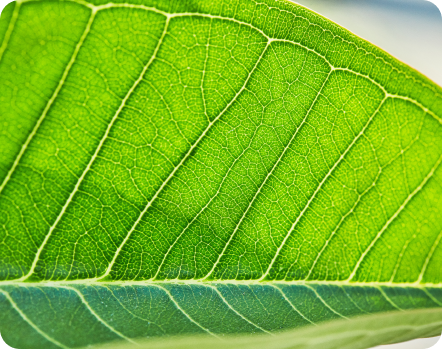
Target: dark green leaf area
221 168
102 313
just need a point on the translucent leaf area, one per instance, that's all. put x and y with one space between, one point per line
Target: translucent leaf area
170 168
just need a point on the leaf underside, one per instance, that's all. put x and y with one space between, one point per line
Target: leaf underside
186 167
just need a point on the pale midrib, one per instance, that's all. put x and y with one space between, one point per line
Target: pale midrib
200 282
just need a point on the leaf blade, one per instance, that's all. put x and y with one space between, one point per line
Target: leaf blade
197 142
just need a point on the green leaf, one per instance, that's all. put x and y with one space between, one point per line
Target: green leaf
362 332
171 168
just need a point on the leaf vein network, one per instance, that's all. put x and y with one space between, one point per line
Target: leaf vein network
169 16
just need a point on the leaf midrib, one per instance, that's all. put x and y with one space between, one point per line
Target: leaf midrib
201 282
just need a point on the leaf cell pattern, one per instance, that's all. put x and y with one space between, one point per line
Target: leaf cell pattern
236 167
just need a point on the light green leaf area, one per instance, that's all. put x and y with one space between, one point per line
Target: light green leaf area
170 168
359 333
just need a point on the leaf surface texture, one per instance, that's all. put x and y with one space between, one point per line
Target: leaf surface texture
187 167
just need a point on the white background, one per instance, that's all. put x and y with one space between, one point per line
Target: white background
410 30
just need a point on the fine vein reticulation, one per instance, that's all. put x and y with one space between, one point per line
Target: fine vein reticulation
243 158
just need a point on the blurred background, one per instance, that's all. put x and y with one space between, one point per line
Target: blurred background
410 30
